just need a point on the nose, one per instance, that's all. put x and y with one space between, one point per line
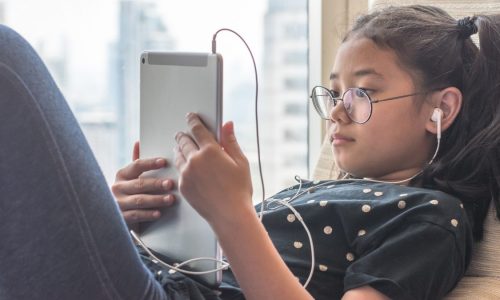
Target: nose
338 114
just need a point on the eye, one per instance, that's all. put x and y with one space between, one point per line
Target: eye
360 93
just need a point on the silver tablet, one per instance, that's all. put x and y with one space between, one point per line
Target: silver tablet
171 85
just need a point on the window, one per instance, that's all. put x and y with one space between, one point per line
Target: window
295 58
296 83
92 47
296 109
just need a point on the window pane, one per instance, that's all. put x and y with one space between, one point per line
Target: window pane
92 49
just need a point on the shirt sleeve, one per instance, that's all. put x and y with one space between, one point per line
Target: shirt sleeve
417 261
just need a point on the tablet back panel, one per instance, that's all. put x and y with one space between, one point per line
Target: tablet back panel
173 84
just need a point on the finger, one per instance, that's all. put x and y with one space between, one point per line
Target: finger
135 202
229 143
139 166
186 144
143 185
200 133
136 152
179 159
136 216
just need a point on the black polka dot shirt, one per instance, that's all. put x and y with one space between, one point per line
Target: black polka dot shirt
408 243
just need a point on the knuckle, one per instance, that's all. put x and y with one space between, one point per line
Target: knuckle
140 184
139 201
159 184
210 149
120 174
115 188
133 216
121 203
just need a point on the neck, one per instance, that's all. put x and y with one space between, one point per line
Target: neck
399 177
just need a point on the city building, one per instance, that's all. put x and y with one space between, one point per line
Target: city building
283 110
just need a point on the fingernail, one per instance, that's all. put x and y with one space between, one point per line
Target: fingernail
166 184
160 162
189 114
167 199
177 135
156 214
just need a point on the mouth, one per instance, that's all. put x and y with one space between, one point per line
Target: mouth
338 139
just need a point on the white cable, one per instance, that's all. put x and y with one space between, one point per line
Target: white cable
224 265
299 217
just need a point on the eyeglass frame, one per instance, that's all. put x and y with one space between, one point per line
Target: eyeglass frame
335 99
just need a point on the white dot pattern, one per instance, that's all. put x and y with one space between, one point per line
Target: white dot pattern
402 204
361 231
349 256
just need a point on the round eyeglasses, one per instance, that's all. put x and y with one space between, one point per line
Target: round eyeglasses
356 101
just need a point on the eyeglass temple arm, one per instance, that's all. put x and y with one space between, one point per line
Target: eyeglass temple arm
397 97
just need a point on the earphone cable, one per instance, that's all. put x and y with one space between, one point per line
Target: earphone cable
214 50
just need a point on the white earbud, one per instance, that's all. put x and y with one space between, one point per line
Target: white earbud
437 114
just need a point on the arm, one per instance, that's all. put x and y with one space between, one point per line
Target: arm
216 182
364 293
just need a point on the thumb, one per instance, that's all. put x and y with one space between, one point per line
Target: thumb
135 154
229 143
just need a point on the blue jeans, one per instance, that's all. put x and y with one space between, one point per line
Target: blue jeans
61 233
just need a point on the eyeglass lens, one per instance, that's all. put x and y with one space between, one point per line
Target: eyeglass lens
356 103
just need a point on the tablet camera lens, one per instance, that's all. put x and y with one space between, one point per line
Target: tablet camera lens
143 60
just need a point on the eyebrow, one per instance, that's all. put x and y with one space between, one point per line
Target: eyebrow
360 73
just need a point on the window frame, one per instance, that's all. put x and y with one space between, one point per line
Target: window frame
328 22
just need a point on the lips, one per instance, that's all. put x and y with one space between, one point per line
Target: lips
338 139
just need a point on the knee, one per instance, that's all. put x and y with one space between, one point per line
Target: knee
14 49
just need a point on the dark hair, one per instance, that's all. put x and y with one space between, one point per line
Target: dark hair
434 49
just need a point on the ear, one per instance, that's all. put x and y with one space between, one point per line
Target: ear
449 100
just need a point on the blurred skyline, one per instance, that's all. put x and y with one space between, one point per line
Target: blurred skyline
92 48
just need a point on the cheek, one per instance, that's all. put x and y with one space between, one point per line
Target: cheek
381 147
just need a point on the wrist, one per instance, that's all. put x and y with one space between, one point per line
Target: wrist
233 219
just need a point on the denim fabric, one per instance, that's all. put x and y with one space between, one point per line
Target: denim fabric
61 233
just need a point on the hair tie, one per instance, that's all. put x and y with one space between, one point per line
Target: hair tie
467 27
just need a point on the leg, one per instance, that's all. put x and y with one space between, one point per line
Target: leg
61 235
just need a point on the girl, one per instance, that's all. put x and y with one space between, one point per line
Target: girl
400 222
63 238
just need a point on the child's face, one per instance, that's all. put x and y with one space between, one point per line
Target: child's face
394 143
